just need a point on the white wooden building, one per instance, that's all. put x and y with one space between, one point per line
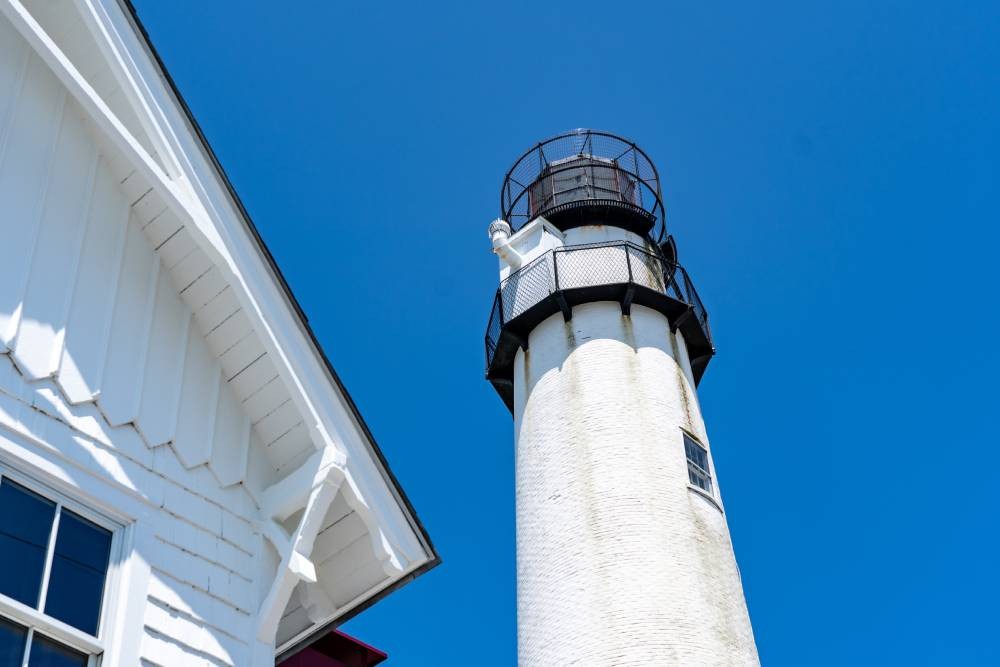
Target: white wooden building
183 479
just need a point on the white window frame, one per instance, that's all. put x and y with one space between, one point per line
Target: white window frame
707 472
37 621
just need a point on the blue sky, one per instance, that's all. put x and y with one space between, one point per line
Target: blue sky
830 174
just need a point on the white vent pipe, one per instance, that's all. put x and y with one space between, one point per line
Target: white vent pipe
500 231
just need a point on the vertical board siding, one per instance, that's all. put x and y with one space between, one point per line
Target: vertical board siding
164 369
230 456
199 397
92 306
24 169
231 439
14 57
38 344
119 398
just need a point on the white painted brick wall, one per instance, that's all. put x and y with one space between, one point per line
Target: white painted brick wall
619 562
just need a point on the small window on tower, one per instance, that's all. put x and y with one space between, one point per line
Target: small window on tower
697 458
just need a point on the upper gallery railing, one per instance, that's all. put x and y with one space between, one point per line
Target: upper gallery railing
578 167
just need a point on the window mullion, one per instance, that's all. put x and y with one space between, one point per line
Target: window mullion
27 646
49 556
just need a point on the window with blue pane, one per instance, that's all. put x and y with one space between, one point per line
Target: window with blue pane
53 574
698 467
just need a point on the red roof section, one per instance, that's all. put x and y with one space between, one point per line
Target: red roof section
336 649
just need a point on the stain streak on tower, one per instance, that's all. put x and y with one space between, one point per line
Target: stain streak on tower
596 343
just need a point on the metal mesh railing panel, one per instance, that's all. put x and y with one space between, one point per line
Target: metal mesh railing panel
647 269
526 287
573 267
493 327
586 266
691 297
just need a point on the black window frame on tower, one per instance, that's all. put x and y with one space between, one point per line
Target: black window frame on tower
50 617
699 464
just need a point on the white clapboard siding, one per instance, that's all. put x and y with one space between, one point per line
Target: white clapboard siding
163 375
199 399
45 305
119 398
235 499
27 158
194 635
94 289
211 611
167 651
204 574
231 440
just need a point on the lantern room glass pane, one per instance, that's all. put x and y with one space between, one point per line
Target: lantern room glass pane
48 653
12 637
25 524
79 567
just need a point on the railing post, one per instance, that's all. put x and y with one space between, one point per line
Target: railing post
630 287
559 296
555 270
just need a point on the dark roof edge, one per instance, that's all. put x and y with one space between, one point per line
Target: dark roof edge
321 630
303 320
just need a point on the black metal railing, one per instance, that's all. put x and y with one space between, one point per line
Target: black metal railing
582 166
588 266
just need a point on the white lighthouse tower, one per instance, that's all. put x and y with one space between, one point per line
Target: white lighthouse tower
596 343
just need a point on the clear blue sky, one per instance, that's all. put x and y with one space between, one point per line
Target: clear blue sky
831 178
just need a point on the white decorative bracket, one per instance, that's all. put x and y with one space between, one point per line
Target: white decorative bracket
317 481
391 557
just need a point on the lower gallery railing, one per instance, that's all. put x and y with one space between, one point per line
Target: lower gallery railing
576 268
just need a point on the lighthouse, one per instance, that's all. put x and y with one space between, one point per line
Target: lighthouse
596 342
